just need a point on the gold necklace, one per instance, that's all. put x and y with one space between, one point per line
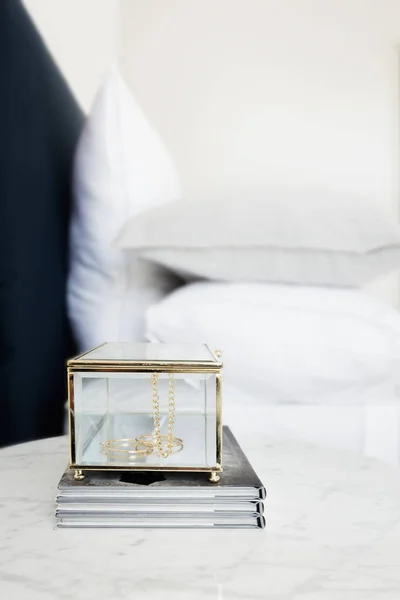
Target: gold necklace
146 444
164 451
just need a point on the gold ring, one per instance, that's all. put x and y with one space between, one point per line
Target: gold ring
127 446
151 442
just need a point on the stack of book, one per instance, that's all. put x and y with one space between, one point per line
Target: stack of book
167 499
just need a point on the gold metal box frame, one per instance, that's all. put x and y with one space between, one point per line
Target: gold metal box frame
79 364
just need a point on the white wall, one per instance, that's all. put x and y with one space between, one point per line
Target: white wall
260 92
82 35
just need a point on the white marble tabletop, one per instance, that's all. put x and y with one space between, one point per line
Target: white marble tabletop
333 533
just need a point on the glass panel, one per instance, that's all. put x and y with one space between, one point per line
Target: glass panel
151 352
114 410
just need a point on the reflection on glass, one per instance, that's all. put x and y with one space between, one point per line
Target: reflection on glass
125 351
115 425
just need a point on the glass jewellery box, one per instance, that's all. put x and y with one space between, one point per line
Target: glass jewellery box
146 407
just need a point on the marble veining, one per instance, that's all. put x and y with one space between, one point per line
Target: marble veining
333 533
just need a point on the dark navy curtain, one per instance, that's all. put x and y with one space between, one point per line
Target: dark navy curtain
39 126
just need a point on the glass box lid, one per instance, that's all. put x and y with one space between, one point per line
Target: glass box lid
147 356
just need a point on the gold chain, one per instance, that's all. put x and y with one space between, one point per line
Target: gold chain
171 414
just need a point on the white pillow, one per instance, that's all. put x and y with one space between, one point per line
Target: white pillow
279 236
121 169
288 344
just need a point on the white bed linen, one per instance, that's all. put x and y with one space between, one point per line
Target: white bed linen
372 429
289 344
122 167
280 236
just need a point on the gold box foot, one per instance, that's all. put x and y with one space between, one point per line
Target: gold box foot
214 477
78 475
